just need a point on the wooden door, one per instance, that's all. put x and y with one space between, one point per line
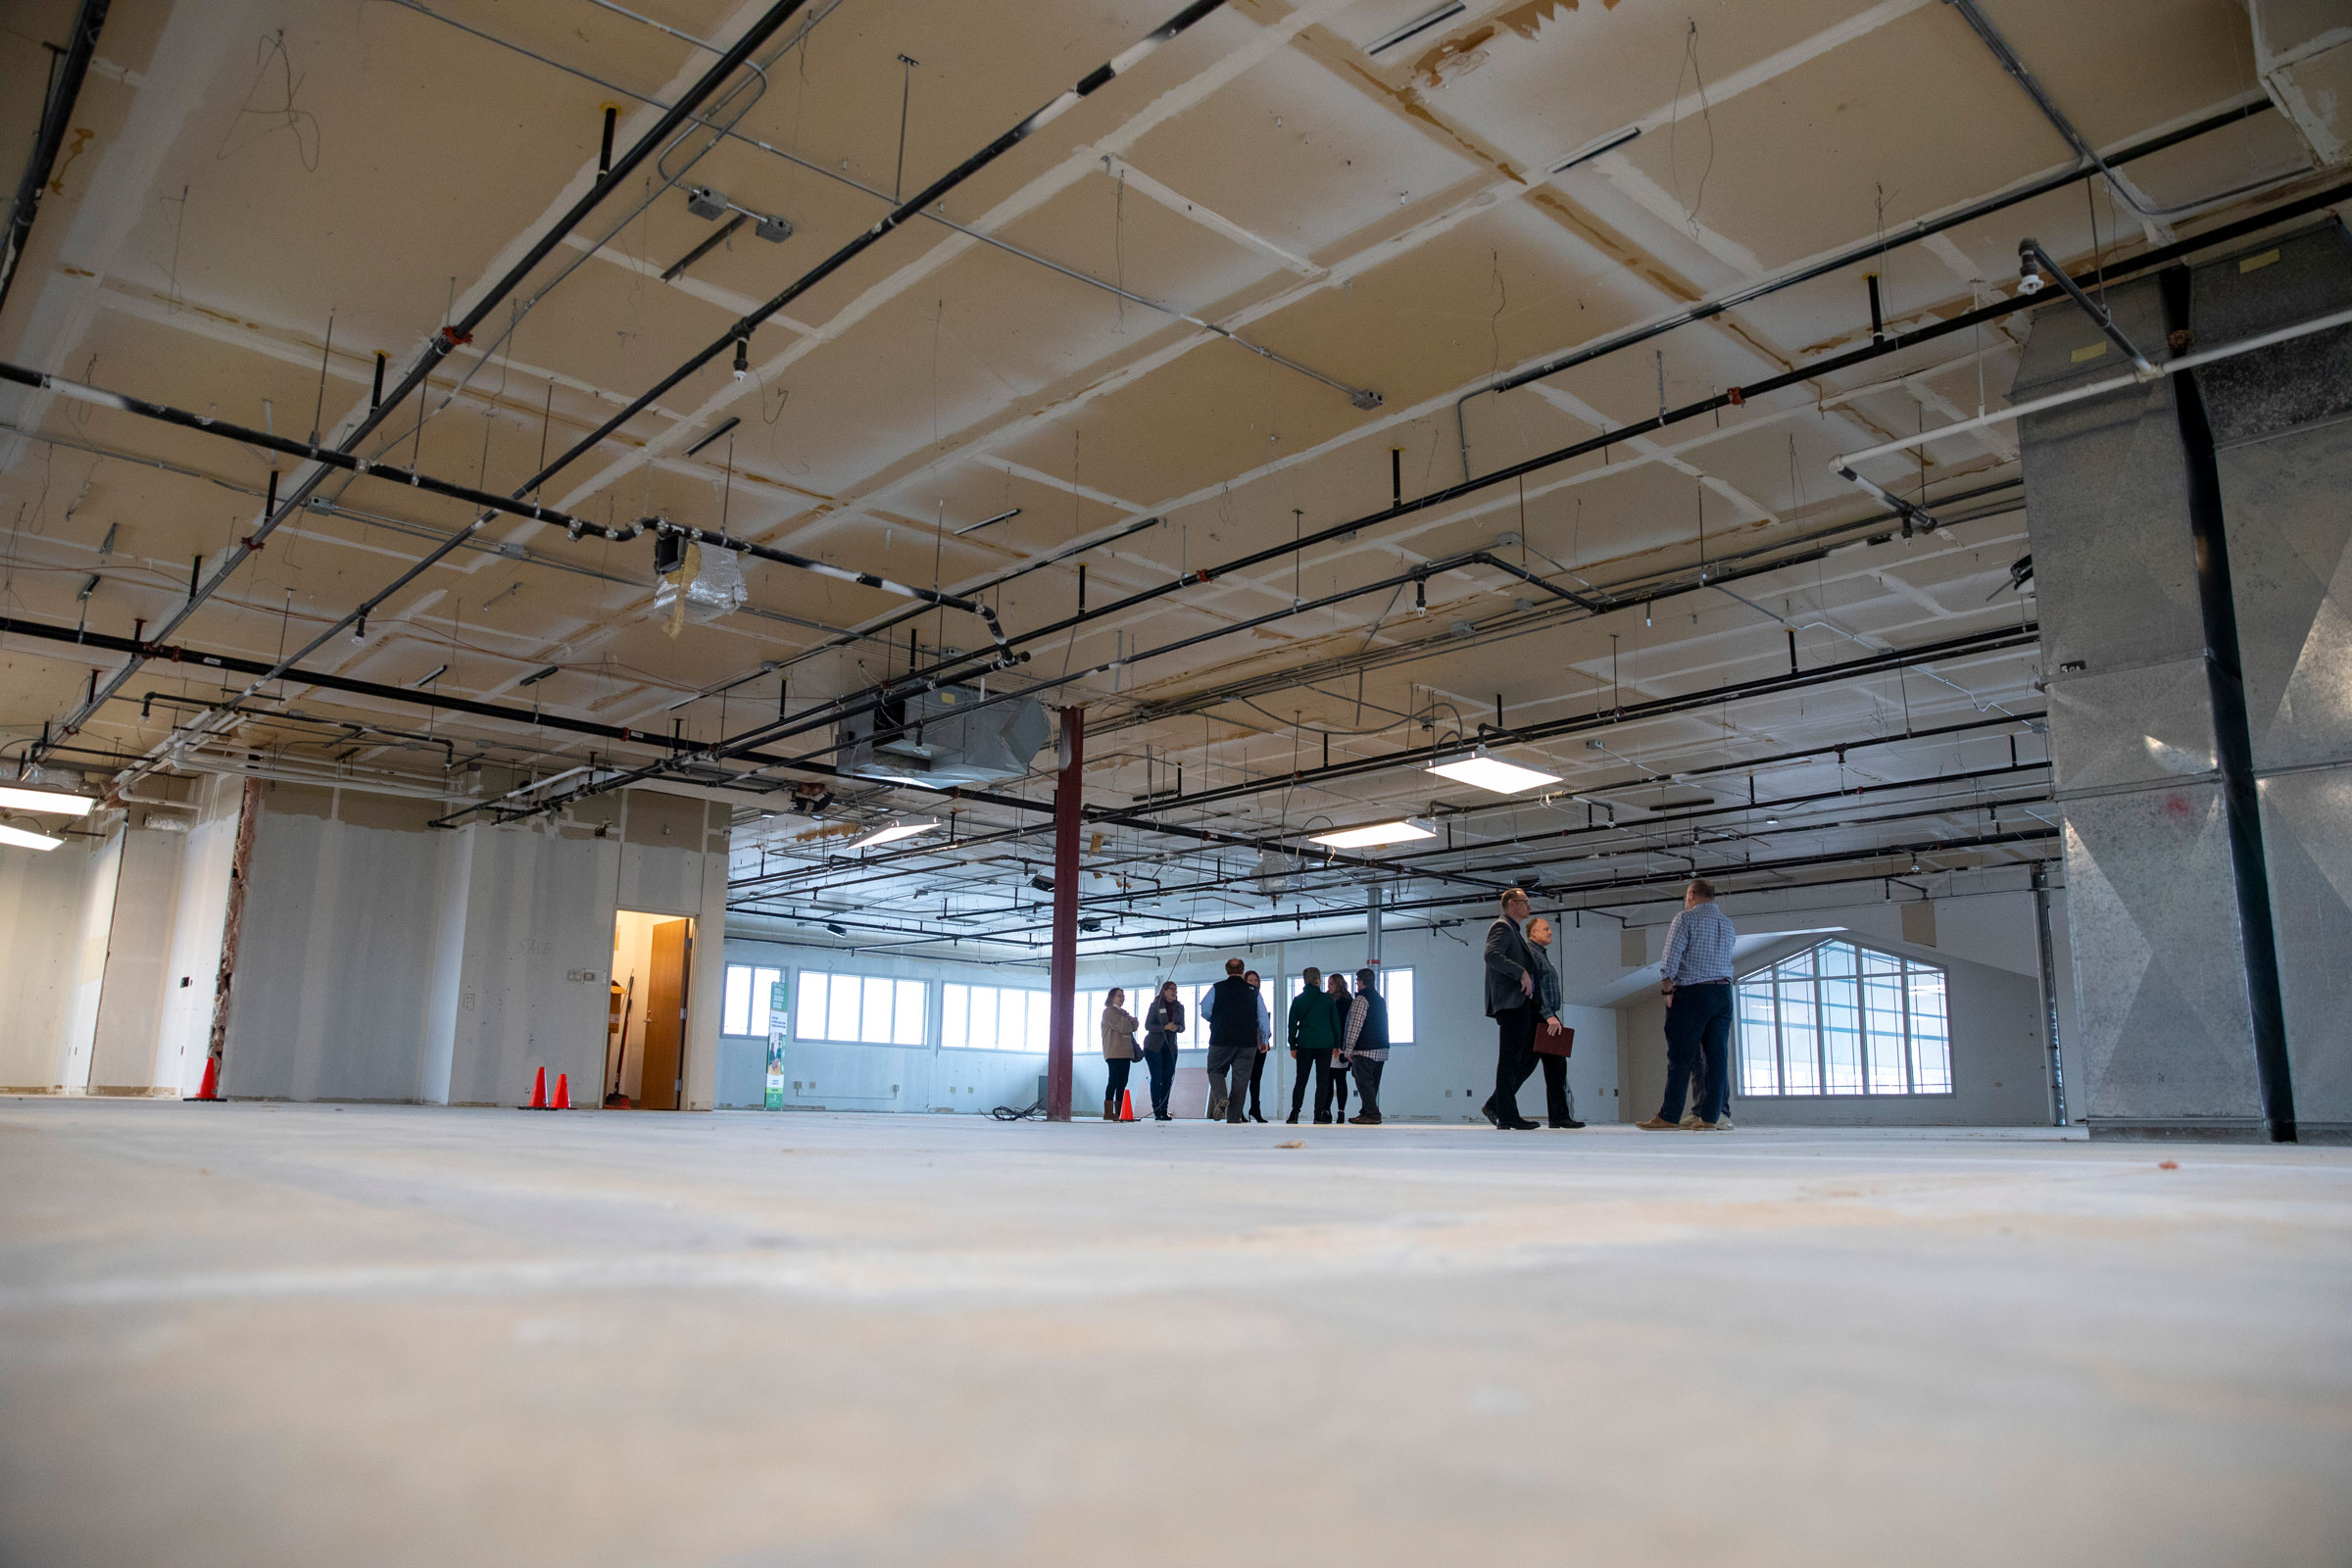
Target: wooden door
660 1077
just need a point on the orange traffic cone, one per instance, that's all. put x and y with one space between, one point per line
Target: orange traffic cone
1126 1104
211 1080
562 1092
538 1091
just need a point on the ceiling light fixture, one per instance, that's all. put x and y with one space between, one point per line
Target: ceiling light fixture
895 832
696 449
1378 833
1418 25
23 840
988 522
18 799
1482 771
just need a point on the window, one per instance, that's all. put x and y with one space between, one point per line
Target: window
744 1009
1396 988
995 1018
868 1010
1840 1019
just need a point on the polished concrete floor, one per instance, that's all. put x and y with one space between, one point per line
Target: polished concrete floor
255 1334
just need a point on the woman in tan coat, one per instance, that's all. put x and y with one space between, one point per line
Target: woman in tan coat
1120 1049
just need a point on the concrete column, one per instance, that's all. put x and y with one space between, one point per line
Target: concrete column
1062 998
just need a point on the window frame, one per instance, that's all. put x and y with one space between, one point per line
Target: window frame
813 1008
1037 1014
1774 993
755 1005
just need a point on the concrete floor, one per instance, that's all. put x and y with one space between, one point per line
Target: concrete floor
296 1334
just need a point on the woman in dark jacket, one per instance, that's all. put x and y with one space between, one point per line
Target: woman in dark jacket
1163 1021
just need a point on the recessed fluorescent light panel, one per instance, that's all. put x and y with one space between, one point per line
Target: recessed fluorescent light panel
894 832
1379 833
23 840
1485 772
23 800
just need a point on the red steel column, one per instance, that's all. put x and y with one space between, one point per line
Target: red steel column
1063 998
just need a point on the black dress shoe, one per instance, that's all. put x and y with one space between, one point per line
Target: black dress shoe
1488 1110
1292 1120
1517 1124
1570 1125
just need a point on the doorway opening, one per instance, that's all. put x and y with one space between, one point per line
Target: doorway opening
645 1030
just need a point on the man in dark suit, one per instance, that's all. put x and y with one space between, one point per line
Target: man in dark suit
1511 1003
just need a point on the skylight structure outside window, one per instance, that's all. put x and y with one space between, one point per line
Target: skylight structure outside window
1841 1019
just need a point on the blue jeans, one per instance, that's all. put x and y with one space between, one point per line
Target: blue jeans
1698 1038
1160 1062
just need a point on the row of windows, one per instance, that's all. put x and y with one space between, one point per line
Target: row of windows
1838 1020
1835 1019
877 1010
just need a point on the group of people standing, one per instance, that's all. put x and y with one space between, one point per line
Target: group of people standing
1332 1032
1523 997
1335 1032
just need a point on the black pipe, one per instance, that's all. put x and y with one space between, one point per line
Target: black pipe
1678 874
376 394
2233 735
56 114
1878 319
679 113
890 221
462 331
1734 396
329 458
1520 857
604 156
1917 231
2049 992
1985 642
841 708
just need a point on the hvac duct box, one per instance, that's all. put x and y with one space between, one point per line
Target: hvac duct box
2168 985
944 737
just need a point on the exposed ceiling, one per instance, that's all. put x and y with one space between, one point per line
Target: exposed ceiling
1224 302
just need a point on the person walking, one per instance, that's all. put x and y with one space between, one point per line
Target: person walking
1510 985
1335 987
1232 1043
1120 1049
1366 1042
1163 1021
1696 983
1265 1048
1314 1037
1552 1037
